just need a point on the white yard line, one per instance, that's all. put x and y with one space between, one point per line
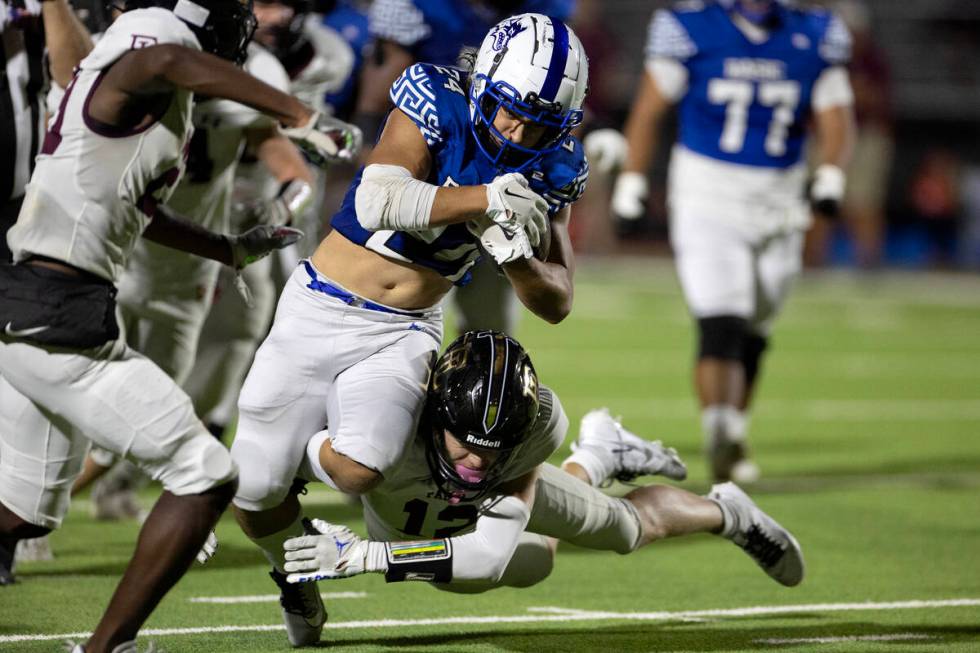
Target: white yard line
270 598
894 637
573 615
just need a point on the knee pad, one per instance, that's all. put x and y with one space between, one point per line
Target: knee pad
199 464
722 336
755 345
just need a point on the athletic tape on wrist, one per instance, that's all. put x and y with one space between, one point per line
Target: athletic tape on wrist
426 560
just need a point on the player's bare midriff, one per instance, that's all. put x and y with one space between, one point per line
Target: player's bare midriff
372 276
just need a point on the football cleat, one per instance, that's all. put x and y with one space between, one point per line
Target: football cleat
37 549
125 647
625 455
771 546
302 610
728 461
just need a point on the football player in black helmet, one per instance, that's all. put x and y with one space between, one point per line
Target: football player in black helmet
483 396
223 27
474 506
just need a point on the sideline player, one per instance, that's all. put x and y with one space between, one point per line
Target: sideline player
475 506
408 31
358 324
68 376
747 76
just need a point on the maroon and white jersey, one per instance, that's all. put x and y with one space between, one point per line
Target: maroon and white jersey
96 186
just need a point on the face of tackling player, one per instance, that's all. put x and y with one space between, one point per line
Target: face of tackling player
482 399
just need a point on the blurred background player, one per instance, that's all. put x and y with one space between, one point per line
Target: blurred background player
165 295
41 43
474 505
482 156
69 378
318 61
747 76
407 31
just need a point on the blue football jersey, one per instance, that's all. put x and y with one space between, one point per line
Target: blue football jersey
747 102
433 97
436 30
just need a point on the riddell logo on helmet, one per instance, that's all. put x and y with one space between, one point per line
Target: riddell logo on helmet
480 442
502 34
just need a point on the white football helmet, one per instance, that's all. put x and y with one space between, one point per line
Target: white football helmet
536 68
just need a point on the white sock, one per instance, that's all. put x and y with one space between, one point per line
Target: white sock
271 545
724 422
597 469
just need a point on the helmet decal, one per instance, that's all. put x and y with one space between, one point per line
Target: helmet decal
559 57
504 32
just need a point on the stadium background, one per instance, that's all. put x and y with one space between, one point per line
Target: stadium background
866 431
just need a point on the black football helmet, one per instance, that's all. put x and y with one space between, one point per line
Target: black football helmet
223 27
484 391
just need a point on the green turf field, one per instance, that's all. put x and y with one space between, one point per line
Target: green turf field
867 432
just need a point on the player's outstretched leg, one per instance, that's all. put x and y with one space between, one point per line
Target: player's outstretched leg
759 535
171 536
606 450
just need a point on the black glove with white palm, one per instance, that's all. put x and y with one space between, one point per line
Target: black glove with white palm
257 242
326 139
515 221
826 190
337 552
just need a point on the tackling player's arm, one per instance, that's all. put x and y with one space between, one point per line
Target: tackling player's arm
481 555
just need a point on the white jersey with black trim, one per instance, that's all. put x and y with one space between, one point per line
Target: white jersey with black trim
95 186
408 504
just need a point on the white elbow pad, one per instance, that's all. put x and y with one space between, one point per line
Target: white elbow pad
389 197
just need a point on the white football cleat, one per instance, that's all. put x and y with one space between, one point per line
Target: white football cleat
622 454
302 610
125 647
771 546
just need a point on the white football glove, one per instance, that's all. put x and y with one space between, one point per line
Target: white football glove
337 553
326 139
515 207
629 196
827 190
209 549
258 241
502 245
293 200
605 149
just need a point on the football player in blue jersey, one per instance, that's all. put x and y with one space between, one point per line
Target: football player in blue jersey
467 158
747 76
435 31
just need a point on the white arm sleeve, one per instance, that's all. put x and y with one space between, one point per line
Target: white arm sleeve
670 76
388 197
484 553
832 89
